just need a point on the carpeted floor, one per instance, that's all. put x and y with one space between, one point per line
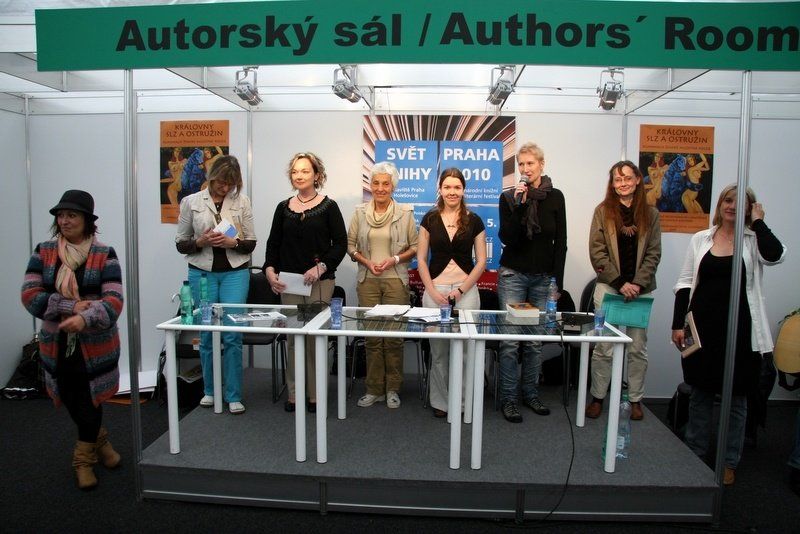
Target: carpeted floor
39 493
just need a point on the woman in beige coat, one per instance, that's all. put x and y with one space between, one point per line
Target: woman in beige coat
625 249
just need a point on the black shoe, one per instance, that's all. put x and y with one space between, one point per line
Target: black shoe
289 406
312 407
511 412
536 405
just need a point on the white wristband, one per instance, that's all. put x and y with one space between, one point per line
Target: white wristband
397 260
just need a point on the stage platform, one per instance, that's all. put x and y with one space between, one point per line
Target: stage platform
396 461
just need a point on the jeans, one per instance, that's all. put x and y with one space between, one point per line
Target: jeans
439 376
230 287
512 287
794 457
635 354
698 427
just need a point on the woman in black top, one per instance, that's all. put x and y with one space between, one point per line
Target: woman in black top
450 232
534 232
704 288
307 237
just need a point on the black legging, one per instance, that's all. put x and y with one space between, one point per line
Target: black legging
73 388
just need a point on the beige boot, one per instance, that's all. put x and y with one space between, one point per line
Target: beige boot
105 452
83 459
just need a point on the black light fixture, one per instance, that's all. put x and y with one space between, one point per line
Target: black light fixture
610 88
501 84
246 90
345 83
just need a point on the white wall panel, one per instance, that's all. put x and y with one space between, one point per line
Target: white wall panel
16 328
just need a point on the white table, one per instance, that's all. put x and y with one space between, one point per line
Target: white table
356 325
492 325
295 325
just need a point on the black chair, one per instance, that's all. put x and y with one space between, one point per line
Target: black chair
587 296
261 293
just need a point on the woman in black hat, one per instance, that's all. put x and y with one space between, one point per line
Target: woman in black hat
73 283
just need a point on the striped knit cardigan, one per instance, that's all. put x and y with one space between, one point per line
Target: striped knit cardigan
99 340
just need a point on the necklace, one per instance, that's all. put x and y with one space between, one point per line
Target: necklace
449 223
301 201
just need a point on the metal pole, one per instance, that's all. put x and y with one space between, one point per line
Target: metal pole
736 280
249 187
132 271
29 183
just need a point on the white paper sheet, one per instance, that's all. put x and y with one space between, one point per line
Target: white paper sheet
429 315
387 310
294 284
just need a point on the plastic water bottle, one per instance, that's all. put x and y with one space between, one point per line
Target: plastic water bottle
550 306
205 305
623 430
186 303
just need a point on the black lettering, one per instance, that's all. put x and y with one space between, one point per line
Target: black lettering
274 33
534 28
152 39
571 29
482 33
456 29
710 38
679 28
746 39
513 26
181 29
777 36
344 30
250 36
619 35
210 37
225 34
130 36
591 34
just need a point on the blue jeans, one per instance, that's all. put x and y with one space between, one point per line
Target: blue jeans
698 427
230 287
513 286
794 457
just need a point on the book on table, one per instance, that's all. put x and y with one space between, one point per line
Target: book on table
522 309
691 340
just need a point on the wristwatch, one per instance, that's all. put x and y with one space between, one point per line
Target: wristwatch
323 266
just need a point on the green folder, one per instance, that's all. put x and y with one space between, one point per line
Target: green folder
635 313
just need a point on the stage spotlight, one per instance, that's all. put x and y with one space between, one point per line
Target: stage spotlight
501 85
610 88
344 83
246 90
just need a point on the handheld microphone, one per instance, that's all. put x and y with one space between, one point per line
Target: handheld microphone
518 197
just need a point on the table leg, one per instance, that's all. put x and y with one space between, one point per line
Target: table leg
580 415
341 372
172 393
300 397
321 354
451 389
216 358
613 408
477 402
469 387
454 397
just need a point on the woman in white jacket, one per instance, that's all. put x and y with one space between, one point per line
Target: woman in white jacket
704 288
224 260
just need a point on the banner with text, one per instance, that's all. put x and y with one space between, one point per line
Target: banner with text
717 35
481 147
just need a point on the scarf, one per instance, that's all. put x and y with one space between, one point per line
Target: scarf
378 220
535 194
72 256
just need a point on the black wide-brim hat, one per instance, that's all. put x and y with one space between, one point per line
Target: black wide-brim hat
76 200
